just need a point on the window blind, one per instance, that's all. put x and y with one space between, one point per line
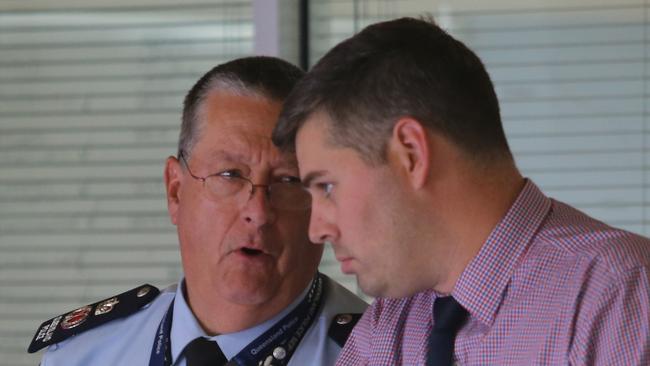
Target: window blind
571 77
90 101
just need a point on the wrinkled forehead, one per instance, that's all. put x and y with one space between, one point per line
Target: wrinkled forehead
250 148
238 128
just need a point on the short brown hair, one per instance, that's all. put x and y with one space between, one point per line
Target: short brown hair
404 67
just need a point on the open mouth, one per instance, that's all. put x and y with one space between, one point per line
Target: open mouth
251 252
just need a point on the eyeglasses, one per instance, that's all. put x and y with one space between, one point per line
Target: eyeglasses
288 195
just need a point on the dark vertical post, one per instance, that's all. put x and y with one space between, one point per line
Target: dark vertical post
304 33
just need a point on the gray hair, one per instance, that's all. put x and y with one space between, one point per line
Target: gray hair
260 76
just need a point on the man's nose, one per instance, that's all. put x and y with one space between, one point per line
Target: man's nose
257 209
322 227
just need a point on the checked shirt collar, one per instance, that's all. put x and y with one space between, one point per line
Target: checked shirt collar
482 285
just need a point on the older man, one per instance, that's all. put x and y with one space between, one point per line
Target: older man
251 294
399 139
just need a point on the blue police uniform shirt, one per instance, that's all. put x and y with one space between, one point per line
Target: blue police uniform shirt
128 341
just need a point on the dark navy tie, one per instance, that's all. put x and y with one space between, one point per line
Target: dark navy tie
203 352
448 317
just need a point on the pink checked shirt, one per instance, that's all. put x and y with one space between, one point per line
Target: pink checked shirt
550 286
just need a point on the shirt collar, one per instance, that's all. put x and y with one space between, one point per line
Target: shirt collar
481 286
185 327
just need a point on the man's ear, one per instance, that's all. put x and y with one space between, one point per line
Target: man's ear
410 144
173 178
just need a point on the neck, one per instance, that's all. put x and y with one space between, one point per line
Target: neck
217 315
477 200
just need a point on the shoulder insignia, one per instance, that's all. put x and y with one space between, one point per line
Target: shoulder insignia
341 326
90 316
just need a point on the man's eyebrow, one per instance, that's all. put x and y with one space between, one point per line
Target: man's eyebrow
226 155
286 161
290 158
306 181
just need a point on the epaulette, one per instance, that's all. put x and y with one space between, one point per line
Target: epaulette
341 326
90 316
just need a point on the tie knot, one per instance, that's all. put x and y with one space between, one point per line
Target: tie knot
204 352
448 315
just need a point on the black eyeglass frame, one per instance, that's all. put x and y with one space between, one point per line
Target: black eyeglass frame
266 187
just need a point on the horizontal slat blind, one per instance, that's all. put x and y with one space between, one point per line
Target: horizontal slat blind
90 98
90 102
572 81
